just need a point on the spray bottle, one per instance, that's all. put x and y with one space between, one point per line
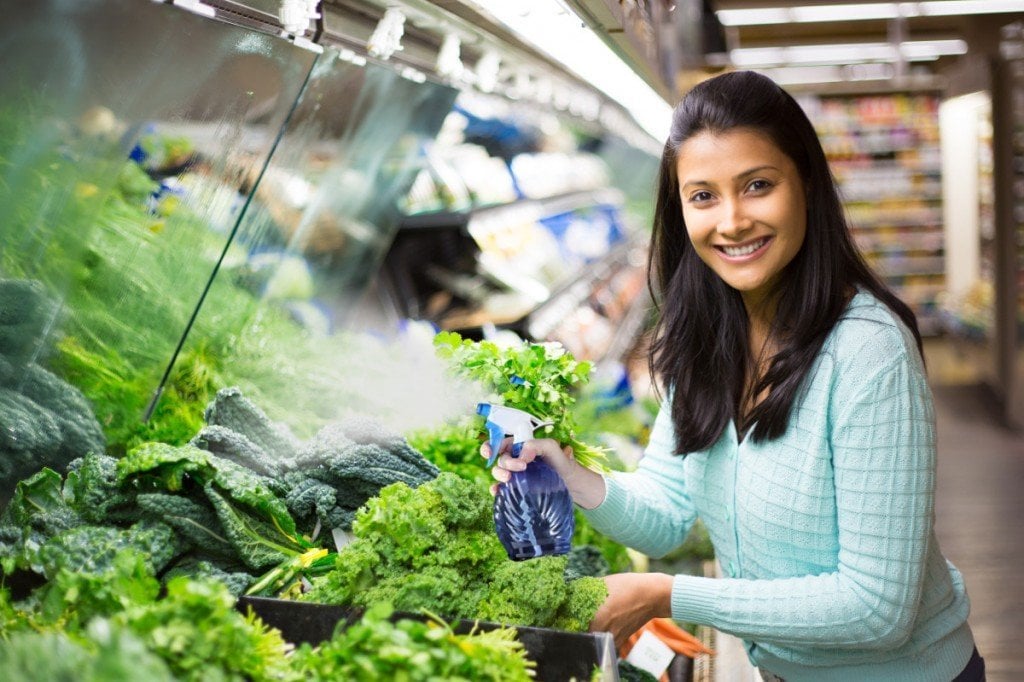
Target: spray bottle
533 512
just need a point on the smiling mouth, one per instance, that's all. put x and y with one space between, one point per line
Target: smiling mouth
745 250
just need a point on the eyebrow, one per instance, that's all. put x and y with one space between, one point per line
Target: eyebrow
749 171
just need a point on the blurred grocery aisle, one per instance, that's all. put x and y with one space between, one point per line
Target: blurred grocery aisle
979 510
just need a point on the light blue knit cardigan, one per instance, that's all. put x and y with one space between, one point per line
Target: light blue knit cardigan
825 535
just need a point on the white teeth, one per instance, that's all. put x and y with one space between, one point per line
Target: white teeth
737 251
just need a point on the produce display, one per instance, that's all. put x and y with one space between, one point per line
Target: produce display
117 552
376 648
115 623
233 510
434 547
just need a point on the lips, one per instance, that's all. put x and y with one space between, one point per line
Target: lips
744 251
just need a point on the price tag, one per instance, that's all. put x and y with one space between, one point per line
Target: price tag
651 654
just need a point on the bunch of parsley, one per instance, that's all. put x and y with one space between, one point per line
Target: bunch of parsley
538 378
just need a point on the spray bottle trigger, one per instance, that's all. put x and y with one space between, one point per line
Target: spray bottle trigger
497 434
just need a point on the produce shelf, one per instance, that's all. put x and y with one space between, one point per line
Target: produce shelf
559 655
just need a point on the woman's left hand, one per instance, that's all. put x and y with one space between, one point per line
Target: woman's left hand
633 599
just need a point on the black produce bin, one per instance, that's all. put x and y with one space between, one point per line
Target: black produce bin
560 656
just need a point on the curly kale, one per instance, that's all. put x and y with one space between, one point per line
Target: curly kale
531 591
583 598
434 547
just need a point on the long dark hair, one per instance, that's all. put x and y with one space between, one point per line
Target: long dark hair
700 343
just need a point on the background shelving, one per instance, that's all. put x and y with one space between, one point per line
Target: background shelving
884 152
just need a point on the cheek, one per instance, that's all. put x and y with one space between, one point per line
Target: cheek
696 228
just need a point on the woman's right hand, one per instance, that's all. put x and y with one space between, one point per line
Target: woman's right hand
585 486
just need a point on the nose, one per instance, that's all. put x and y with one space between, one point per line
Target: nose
733 221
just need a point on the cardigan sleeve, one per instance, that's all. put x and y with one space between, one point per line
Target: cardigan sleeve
883 454
648 509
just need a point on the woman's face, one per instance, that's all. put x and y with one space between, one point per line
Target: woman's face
744 207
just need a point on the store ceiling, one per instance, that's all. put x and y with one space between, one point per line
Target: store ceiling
666 44
839 29
951 34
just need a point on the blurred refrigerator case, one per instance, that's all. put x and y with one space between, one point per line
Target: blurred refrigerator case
120 258
136 184
191 200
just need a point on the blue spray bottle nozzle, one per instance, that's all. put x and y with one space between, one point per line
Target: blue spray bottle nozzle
495 433
507 421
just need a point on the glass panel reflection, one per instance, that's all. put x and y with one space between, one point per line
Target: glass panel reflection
323 216
105 108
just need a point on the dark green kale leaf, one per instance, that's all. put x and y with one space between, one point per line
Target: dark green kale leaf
93 490
92 549
258 542
234 411
197 523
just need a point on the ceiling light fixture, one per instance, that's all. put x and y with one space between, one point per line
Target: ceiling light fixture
559 32
801 75
863 11
847 53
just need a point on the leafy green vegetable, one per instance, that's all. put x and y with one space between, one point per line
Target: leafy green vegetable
232 410
162 467
434 547
453 447
25 312
92 488
37 512
196 523
259 543
74 597
108 654
91 549
30 434
196 630
550 376
587 560
375 648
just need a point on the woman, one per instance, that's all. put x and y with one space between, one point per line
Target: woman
798 422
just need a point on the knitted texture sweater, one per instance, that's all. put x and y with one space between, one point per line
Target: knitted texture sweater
825 535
